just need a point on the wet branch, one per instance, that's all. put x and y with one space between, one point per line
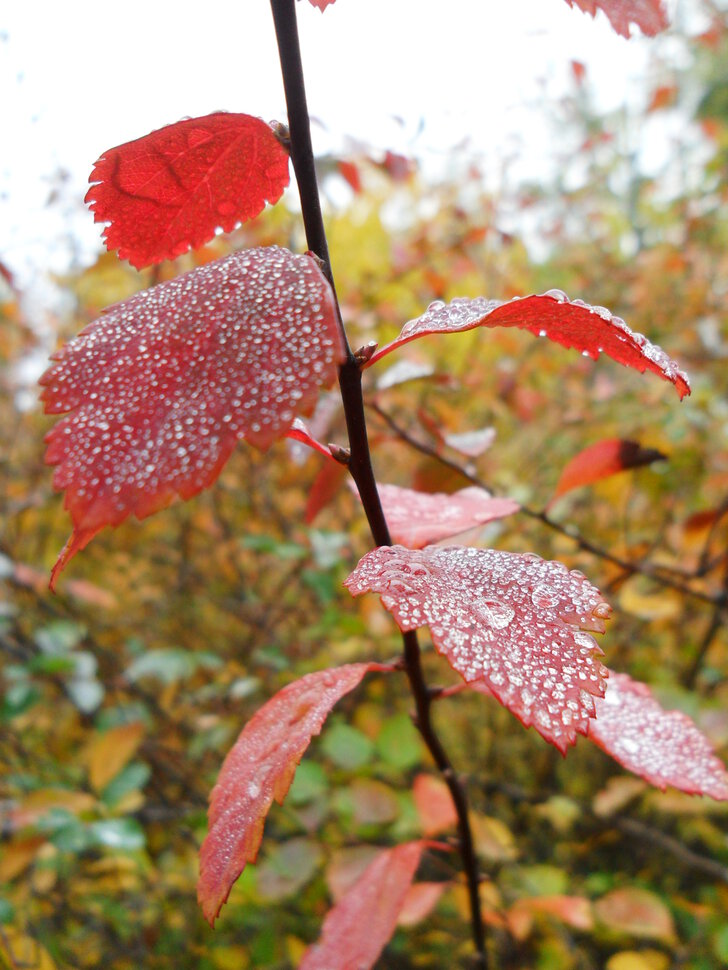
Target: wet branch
360 464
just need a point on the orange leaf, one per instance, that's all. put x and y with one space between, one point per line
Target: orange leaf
602 459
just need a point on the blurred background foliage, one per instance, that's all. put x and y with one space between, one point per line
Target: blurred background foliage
121 695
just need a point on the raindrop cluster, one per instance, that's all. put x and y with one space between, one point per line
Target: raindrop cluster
512 620
259 768
663 747
162 386
593 330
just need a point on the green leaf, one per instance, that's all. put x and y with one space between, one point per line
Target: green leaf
310 782
118 833
59 637
132 777
346 746
169 665
398 743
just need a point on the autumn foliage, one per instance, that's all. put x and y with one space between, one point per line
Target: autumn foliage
152 399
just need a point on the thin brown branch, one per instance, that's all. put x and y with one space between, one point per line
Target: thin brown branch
655 573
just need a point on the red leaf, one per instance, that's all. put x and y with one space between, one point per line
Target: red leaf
592 330
350 172
649 15
663 747
299 431
260 767
357 929
325 486
417 518
510 619
162 386
169 191
602 459
321 4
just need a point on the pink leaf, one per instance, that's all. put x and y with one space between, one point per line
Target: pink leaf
321 4
359 926
169 191
602 459
161 387
434 804
663 747
421 899
649 15
260 767
416 519
510 619
592 330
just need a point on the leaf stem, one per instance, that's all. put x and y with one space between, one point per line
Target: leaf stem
360 464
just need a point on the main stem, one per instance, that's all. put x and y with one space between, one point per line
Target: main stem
360 464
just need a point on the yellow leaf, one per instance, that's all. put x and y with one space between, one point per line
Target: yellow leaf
17 856
38 803
19 950
107 753
644 960
493 840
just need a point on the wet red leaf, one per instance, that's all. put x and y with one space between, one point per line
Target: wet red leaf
602 459
592 330
663 747
163 385
416 519
359 926
511 620
259 768
648 15
169 191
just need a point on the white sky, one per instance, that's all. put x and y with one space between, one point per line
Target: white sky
80 77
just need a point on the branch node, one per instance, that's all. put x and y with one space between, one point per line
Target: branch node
365 353
342 455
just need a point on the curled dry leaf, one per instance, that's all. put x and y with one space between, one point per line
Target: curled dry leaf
663 747
602 459
259 768
357 929
169 191
649 15
572 323
163 385
512 620
416 519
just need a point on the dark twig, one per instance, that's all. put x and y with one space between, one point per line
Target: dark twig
360 464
